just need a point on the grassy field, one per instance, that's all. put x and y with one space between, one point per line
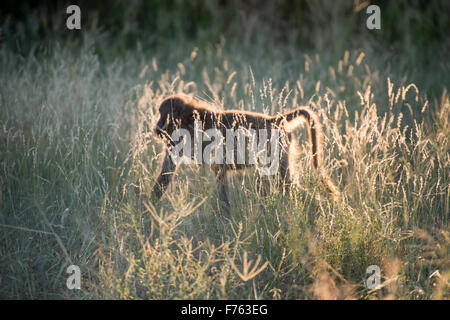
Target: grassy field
78 163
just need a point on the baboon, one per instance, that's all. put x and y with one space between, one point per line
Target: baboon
181 112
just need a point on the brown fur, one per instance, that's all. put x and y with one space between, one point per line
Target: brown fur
181 112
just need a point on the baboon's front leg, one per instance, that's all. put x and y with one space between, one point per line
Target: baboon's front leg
222 186
164 178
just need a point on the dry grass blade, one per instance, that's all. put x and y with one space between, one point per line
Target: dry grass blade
247 273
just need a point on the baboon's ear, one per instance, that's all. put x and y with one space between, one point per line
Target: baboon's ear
172 105
177 105
180 108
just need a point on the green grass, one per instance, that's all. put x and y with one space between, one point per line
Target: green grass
78 163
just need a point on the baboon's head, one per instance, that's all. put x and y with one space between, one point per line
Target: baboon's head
174 113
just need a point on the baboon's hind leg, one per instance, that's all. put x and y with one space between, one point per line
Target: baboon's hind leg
285 178
262 185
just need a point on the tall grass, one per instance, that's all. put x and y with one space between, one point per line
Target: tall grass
78 162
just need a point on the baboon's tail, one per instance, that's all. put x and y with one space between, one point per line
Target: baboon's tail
315 136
